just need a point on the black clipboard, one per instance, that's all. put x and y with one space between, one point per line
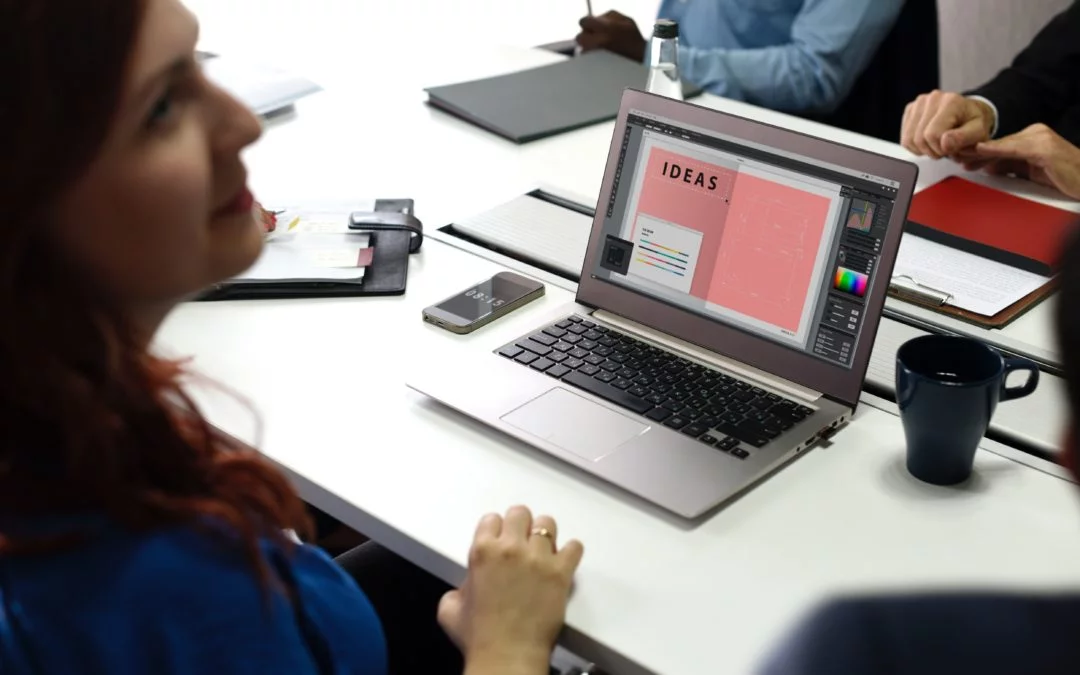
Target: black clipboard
395 234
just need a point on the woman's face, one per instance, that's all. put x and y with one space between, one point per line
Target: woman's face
164 209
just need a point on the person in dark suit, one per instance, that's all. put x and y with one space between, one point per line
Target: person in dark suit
1025 122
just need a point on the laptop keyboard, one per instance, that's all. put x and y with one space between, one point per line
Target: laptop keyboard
717 409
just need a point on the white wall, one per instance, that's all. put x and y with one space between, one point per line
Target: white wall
980 37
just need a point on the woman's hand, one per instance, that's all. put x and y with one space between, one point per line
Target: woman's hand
508 613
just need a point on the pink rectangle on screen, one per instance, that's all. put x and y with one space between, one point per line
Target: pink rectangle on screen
771 242
698 203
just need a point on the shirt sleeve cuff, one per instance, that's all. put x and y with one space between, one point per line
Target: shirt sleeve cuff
983 99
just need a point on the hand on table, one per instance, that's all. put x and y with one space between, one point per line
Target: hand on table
943 124
1037 153
614 32
508 613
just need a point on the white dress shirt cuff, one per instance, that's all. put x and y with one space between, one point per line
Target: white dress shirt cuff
983 99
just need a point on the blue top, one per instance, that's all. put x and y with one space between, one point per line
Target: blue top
179 602
798 56
937 635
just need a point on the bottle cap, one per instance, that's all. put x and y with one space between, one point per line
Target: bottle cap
666 29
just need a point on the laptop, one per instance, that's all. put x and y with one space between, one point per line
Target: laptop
732 288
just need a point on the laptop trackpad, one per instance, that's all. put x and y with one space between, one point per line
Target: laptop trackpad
575 424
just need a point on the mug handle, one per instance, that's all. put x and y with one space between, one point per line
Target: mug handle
1013 365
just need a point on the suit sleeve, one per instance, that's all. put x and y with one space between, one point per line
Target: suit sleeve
1042 81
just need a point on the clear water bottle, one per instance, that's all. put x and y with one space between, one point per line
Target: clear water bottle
664 60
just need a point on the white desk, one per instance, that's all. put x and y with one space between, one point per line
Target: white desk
671 597
653 593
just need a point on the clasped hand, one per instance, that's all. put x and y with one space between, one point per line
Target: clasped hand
944 124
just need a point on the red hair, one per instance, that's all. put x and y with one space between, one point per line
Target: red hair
90 422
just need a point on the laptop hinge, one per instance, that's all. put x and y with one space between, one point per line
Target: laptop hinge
761 378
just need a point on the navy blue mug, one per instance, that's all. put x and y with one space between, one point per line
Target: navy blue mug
947 389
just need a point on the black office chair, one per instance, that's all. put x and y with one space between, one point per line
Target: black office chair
905 65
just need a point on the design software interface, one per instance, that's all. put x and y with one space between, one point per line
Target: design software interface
763 240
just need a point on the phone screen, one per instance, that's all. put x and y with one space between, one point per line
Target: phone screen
483 299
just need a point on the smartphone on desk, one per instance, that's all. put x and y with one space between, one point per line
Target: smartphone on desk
481 304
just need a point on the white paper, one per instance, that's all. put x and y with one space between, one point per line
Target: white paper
974 283
262 88
309 256
536 229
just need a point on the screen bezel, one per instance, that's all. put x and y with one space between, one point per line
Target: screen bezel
524 285
836 382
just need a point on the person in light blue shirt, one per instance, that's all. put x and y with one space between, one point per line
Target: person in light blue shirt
798 56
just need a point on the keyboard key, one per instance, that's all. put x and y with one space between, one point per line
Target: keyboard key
673 405
563 325
621 383
558 370
604 376
594 360
594 386
557 357
588 344
573 364
601 329
541 364
761 404
578 329
638 390
592 335
535 347
758 391
555 332
510 351
603 351
574 318
578 353
741 433
709 439
676 422
694 430
608 341
571 338
656 399
562 346
588 370
728 443
740 453
644 380
619 358
740 408
543 339
691 414
658 414
526 358
588 324
773 397
771 432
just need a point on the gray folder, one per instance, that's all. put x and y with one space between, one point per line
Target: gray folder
540 102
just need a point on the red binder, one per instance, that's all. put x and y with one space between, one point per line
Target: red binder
994 219
994 225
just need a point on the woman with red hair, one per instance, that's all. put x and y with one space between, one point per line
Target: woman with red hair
133 538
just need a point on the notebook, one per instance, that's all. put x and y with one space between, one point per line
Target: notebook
541 102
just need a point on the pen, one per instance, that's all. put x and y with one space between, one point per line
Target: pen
588 6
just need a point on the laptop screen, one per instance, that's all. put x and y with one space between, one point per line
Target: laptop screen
765 241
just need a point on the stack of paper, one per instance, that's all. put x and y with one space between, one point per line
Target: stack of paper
312 246
262 88
971 282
